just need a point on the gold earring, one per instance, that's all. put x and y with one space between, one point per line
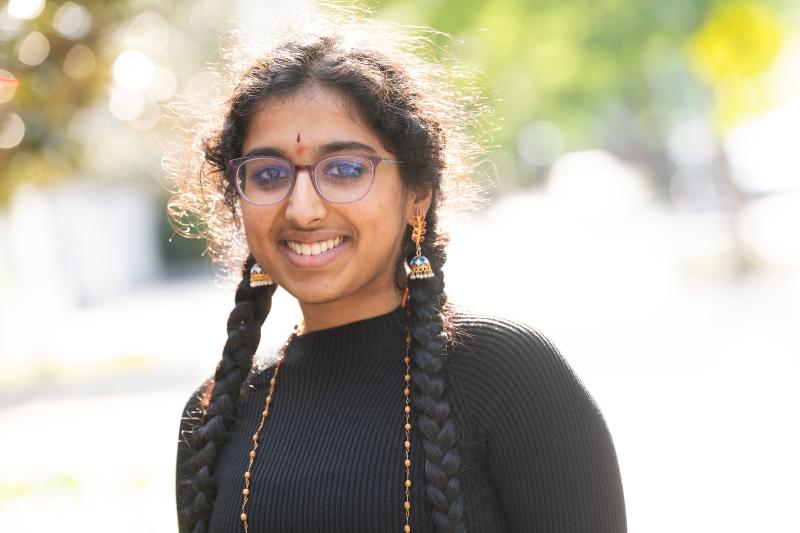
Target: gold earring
420 266
258 278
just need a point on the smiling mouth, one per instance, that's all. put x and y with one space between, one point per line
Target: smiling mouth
314 248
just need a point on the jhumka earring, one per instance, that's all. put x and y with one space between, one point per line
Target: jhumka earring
258 278
420 265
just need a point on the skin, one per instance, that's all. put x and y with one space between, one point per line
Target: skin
358 281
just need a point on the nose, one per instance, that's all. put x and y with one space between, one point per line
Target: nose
304 207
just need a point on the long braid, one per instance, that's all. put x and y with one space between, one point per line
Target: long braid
417 117
439 429
207 437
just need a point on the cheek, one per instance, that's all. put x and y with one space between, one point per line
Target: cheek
383 233
257 225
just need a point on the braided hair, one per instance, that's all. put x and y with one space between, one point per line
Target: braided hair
421 127
439 430
219 398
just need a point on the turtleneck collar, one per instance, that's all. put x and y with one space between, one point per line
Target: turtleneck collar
350 342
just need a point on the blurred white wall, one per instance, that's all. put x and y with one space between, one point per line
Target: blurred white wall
66 247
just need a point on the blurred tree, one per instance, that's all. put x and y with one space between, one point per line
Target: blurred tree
81 87
86 78
563 75
33 54
736 44
609 73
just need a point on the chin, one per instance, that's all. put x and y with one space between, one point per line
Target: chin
314 299
307 294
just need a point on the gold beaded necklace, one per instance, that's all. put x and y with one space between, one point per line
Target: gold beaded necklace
265 412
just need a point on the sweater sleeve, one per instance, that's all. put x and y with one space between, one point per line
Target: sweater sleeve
550 454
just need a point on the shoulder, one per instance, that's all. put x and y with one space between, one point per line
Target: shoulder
548 449
502 366
500 347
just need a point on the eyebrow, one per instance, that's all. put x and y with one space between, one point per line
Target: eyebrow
325 149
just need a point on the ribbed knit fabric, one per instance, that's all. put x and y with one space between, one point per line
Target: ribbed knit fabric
536 453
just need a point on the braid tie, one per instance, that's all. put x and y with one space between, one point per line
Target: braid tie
438 428
208 436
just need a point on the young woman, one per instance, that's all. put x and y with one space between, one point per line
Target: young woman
387 410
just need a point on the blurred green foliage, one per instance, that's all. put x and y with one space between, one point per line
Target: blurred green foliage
46 98
62 482
70 132
610 73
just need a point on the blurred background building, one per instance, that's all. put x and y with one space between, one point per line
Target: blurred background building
648 156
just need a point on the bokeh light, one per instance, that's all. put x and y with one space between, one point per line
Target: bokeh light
25 9
163 86
33 49
148 117
8 24
126 104
8 86
12 130
691 143
539 143
148 31
133 70
72 21
79 62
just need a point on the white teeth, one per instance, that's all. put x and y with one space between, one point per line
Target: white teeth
314 248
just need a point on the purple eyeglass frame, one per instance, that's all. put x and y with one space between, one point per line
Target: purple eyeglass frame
374 161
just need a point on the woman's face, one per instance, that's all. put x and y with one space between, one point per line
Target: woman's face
287 238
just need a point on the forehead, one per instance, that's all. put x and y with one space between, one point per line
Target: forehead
317 114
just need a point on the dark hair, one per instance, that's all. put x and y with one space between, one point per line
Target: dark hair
409 122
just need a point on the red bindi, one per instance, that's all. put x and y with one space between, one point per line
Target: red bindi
299 149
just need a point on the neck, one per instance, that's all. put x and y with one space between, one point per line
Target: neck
326 315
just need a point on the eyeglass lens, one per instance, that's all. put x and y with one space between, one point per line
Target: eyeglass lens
340 179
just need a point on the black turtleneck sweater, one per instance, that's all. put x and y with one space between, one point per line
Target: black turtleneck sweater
536 452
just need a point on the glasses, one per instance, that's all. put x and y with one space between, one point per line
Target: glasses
340 179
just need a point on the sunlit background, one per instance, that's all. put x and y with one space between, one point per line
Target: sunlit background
646 220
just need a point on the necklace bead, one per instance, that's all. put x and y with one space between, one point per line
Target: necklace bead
265 412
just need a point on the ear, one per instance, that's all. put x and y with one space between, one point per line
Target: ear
419 201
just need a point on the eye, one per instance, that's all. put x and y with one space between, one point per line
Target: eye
346 168
267 174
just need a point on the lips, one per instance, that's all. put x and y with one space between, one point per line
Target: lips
311 249
313 254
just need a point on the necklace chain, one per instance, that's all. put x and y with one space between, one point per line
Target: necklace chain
265 412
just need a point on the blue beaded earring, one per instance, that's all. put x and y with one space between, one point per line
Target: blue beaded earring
420 266
259 278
